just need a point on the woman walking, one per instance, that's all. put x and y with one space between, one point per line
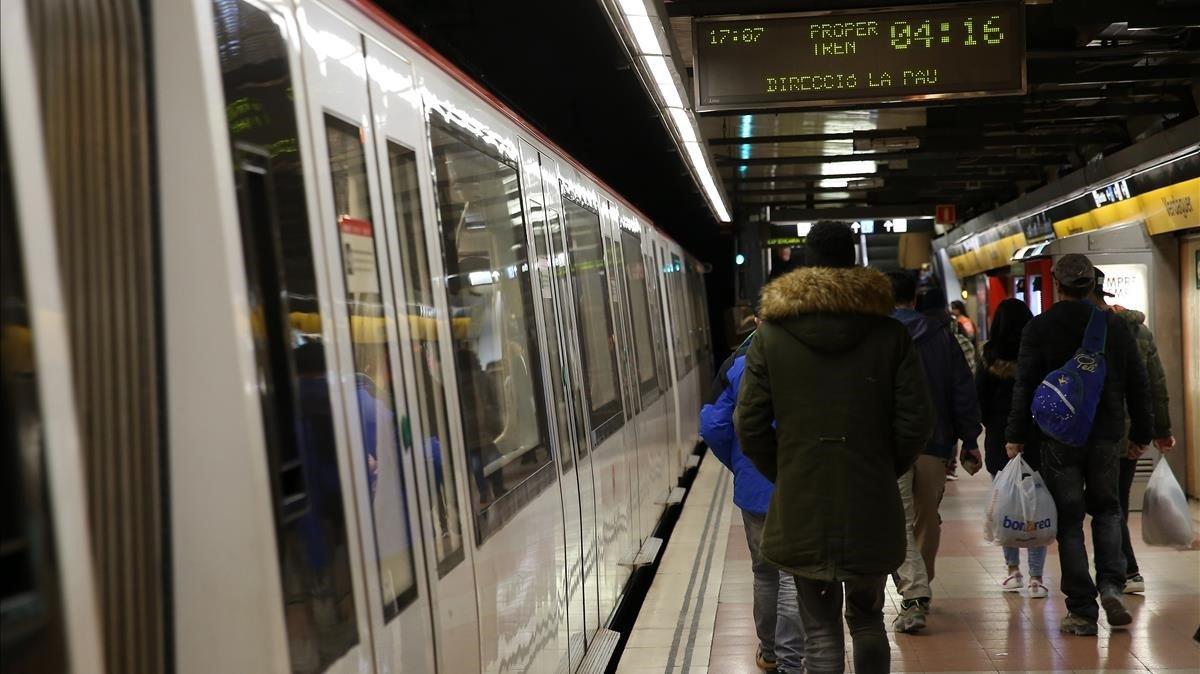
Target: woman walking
994 383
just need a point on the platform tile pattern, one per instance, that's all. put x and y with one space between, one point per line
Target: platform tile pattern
697 617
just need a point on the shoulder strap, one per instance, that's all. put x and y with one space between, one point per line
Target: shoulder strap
1096 335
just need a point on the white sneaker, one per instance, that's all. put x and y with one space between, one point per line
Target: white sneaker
1013 583
1037 590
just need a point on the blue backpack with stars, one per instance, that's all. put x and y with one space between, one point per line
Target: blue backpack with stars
1064 404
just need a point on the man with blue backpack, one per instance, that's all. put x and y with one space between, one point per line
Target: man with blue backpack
776 611
1078 372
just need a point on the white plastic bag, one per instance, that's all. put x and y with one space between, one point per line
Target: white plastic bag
1165 517
1021 513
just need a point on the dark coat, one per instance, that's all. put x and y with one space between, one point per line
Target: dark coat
948 377
994 384
843 384
1048 341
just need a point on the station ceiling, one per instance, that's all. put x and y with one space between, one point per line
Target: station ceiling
1102 74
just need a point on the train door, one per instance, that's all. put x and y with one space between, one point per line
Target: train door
544 224
615 264
390 559
670 329
576 398
664 426
47 605
652 481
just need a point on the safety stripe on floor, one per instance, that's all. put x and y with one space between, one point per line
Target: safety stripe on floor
673 631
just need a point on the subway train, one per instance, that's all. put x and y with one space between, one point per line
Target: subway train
411 388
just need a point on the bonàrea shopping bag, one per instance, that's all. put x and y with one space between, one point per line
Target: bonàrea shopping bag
1166 520
1021 512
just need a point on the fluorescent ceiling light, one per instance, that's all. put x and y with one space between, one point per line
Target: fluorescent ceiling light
802 228
841 168
664 82
833 182
633 7
683 124
644 35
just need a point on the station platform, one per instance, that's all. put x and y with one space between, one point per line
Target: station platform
697 617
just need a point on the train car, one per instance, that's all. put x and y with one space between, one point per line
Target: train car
428 383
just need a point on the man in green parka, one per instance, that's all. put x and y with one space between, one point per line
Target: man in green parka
833 408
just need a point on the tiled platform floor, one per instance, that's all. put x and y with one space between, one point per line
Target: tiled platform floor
974 627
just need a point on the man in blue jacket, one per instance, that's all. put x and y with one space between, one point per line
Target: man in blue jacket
956 413
776 613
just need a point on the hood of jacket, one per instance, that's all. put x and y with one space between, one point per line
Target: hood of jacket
822 306
1134 316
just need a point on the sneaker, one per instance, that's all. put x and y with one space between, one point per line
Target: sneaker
762 662
911 618
1114 608
1037 590
1013 583
1135 583
1078 625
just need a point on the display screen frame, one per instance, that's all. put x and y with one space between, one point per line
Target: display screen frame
1017 6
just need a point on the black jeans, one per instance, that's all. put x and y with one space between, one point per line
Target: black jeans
820 613
1084 480
1128 468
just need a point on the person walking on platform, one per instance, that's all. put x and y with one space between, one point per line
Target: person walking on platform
956 413
994 383
832 410
776 613
958 310
1083 479
1160 406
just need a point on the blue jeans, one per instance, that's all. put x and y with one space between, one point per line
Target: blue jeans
1036 559
1084 480
776 609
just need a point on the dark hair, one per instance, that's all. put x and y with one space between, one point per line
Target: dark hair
904 287
1004 337
1076 292
958 306
932 300
829 244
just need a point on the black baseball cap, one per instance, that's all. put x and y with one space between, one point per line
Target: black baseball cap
1075 271
1100 284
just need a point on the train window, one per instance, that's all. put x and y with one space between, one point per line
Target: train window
34 636
424 343
545 225
373 386
495 339
682 315
593 310
696 296
310 522
658 324
639 310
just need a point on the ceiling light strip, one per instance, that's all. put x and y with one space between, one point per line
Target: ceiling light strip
642 31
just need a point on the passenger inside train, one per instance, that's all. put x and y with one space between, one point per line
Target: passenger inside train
623 336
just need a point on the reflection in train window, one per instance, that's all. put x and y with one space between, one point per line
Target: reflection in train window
495 338
639 311
310 522
545 225
34 638
373 386
696 297
423 342
597 334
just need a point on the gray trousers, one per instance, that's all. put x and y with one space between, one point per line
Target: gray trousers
776 610
821 605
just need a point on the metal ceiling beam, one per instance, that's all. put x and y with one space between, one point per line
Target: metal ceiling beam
1046 72
802 212
957 135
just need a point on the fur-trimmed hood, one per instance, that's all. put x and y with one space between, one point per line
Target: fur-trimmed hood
839 290
829 309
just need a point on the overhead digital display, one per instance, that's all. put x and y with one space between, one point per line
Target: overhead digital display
935 51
